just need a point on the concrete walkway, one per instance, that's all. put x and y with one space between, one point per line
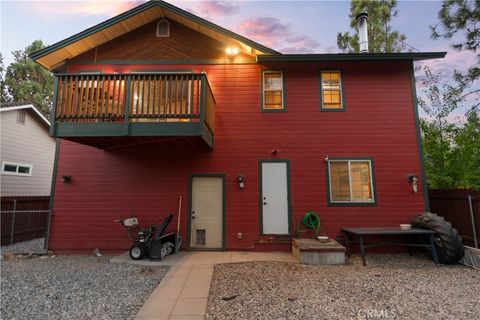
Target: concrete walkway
183 292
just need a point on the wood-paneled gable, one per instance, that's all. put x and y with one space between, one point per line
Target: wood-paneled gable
143 44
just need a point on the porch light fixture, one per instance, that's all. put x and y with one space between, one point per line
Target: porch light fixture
275 151
231 51
241 184
412 179
66 179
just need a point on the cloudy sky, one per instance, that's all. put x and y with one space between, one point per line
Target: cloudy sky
287 26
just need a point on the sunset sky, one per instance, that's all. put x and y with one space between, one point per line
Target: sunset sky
287 26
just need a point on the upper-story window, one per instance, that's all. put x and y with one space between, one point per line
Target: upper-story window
331 90
351 181
163 28
273 94
21 116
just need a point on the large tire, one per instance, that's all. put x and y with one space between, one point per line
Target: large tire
448 244
137 252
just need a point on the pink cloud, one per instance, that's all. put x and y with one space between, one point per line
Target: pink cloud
274 33
208 10
216 9
49 10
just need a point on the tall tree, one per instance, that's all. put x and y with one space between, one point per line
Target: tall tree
451 151
463 16
29 82
3 90
381 38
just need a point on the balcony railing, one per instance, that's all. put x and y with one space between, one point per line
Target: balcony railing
121 103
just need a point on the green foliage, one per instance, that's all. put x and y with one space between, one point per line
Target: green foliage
381 38
451 151
3 90
463 16
26 81
459 15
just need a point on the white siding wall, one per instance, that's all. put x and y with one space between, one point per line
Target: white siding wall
26 144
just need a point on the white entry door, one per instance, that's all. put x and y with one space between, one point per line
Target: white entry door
274 198
207 213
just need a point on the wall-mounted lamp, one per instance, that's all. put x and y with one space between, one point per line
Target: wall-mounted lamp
275 151
241 184
66 179
412 179
231 51
326 159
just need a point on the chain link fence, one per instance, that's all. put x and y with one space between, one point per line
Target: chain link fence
24 224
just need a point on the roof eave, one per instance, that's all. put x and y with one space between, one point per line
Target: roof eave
415 56
27 106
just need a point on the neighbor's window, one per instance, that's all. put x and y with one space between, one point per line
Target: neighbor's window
17 169
350 181
331 90
21 116
273 90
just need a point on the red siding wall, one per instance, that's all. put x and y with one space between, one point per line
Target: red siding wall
378 123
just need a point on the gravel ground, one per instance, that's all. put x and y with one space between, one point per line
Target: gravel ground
390 287
74 287
32 246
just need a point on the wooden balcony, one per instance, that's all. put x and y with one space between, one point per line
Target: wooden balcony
116 110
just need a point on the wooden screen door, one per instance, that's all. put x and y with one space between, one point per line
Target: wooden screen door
275 201
206 223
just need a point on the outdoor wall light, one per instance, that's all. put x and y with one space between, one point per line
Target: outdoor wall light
241 184
231 51
66 179
275 151
412 179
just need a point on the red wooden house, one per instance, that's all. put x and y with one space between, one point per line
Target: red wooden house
156 103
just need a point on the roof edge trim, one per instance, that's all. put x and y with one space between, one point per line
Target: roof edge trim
351 56
27 106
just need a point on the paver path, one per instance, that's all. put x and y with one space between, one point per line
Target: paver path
183 292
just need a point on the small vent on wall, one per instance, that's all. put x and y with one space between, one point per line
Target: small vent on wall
21 116
163 28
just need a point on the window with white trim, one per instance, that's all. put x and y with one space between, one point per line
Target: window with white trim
16 169
272 90
350 181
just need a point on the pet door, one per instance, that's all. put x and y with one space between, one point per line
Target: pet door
201 237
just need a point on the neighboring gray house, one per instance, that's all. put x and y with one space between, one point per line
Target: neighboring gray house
27 151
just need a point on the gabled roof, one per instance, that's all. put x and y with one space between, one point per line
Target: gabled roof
415 56
19 106
54 55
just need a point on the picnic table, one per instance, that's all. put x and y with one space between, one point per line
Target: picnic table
362 233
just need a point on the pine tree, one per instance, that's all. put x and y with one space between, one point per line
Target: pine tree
463 16
381 38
